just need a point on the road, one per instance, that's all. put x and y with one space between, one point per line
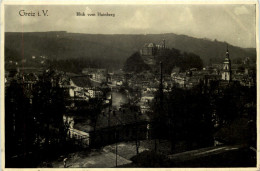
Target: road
189 155
219 156
96 159
103 158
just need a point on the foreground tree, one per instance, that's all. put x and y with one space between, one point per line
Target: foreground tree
19 136
184 115
49 107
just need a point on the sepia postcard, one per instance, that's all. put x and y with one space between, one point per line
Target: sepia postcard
170 85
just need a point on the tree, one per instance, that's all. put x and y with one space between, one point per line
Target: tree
185 115
229 104
18 120
49 107
169 57
135 63
95 108
91 110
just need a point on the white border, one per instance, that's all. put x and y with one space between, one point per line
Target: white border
128 2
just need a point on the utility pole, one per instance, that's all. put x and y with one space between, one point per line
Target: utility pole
109 110
164 44
116 146
161 88
158 124
137 142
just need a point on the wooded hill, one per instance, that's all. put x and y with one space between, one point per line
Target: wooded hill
113 49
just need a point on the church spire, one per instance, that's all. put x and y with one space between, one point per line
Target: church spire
226 72
227 53
227 47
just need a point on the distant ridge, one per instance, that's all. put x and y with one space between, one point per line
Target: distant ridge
65 45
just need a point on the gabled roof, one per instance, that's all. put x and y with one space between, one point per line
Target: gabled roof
150 45
120 118
30 77
81 81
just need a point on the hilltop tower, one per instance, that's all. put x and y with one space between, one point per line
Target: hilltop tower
226 71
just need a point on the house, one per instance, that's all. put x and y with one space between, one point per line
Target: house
179 79
96 74
145 102
76 130
78 87
124 124
112 125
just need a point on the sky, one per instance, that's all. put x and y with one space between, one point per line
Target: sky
235 24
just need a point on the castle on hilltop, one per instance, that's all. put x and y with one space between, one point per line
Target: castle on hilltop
150 50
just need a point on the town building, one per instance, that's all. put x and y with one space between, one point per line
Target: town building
112 125
96 74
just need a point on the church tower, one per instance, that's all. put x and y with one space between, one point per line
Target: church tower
226 72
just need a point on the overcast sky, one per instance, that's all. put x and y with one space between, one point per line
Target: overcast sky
234 24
